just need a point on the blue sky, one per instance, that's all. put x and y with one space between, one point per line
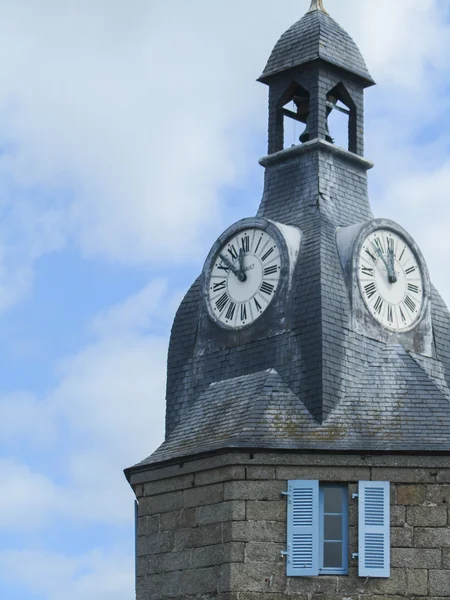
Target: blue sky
129 138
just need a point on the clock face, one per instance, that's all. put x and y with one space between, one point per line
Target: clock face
244 277
390 280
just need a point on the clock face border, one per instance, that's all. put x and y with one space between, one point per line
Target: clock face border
386 225
267 226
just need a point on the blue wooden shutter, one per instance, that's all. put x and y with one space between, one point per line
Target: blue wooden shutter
303 528
373 528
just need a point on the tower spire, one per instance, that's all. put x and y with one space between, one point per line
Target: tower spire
317 5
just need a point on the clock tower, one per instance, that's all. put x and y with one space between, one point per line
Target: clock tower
308 406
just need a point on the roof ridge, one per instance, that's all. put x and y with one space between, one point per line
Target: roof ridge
269 394
442 391
257 398
400 352
388 349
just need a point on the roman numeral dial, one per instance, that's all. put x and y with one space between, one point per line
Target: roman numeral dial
390 280
244 277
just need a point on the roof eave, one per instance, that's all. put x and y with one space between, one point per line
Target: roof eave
254 449
365 79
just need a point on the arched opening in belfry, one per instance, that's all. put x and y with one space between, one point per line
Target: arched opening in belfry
341 118
294 107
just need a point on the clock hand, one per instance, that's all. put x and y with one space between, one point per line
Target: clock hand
228 263
380 254
242 275
389 266
392 275
241 258
232 268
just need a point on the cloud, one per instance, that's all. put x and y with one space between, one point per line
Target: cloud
108 145
403 42
26 420
96 575
145 144
135 313
111 398
106 413
27 498
119 131
114 388
422 197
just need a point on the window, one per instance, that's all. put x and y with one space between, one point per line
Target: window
317 529
333 529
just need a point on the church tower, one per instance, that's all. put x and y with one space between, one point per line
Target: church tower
308 403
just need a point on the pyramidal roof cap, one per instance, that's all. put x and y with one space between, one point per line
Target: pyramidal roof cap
316 36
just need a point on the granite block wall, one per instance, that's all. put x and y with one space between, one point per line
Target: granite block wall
214 529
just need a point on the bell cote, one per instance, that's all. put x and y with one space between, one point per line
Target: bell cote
316 68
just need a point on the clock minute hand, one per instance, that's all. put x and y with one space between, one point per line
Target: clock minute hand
392 274
230 265
380 254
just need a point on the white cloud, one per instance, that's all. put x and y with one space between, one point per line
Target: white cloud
26 420
402 42
87 101
27 498
135 312
97 575
144 112
112 398
420 200
106 413
114 388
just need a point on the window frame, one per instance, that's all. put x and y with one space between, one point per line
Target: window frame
321 525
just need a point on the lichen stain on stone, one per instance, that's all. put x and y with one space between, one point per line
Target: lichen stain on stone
330 433
286 425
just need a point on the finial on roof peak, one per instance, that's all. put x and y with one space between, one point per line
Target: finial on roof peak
317 5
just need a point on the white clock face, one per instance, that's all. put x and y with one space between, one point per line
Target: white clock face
390 280
244 277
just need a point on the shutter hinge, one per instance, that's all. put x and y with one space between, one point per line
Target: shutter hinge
354 496
355 555
287 553
284 493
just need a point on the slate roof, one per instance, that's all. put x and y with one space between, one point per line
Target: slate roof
305 378
394 406
316 36
318 385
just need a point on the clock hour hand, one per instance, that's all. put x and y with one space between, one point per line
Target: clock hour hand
242 275
239 274
392 275
389 266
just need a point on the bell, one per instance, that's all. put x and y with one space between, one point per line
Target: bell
305 137
302 105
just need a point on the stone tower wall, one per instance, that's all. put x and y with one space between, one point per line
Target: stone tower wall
214 529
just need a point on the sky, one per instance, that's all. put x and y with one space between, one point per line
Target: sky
130 133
